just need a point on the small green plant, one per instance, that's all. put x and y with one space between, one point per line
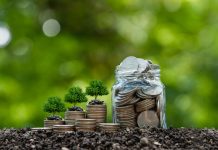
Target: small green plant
96 88
75 95
54 105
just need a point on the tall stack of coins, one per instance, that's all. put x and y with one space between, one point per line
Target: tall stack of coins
50 123
63 128
138 86
109 127
87 125
126 116
98 112
71 116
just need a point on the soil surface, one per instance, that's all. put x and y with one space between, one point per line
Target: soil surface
146 138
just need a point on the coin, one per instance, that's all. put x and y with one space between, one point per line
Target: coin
63 128
109 127
50 123
148 118
43 128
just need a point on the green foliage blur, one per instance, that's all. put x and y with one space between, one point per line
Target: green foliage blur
95 36
96 88
75 95
54 105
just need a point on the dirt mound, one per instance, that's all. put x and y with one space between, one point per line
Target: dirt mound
147 138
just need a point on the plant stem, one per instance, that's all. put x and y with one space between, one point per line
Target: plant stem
96 96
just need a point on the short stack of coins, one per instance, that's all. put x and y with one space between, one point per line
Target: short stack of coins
70 121
126 116
63 128
98 112
109 127
71 116
51 123
87 125
42 129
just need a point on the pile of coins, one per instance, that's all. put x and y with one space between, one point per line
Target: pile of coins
63 128
51 123
88 125
136 107
97 112
109 127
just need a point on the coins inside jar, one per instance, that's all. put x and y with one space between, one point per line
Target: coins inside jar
126 116
145 105
148 118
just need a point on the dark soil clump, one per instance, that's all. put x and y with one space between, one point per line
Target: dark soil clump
75 108
54 118
96 102
147 138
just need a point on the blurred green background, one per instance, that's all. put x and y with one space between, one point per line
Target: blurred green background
46 46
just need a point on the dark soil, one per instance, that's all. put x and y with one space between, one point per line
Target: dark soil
75 108
54 118
147 138
96 102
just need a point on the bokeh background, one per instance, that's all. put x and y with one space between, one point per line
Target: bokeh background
46 46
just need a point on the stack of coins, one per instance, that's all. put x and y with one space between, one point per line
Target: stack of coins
50 123
97 112
145 105
70 122
109 127
41 129
126 97
87 125
126 116
71 116
63 128
148 118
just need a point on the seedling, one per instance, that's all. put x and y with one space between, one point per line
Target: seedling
53 106
96 88
74 96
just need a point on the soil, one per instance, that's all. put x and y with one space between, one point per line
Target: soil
146 138
96 102
75 108
54 118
